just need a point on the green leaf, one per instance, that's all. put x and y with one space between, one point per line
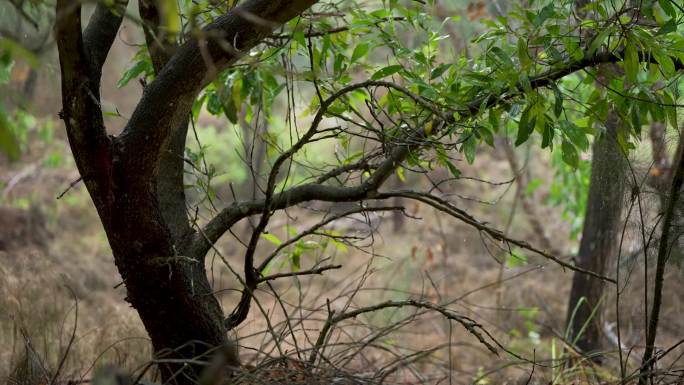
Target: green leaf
16 50
339 64
631 62
533 186
665 61
453 170
272 238
386 71
360 51
400 174
670 110
486 134
230 110
575 135
558 103
635 118
295 256
502 57
516 259
668 8
214 104
170 17
6 64
570 155
524 54
525 126
8 141
299 37
599 39
140 67
544 14
494 119
341 247
547 136
468 148
670 26
437 72
525 82
197 106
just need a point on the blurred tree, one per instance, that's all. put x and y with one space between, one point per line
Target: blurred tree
600 238
602 219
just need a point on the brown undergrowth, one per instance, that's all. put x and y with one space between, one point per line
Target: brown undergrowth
58 278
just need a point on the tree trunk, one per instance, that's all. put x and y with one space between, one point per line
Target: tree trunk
599 238
660 179
168 287
669 235
136 179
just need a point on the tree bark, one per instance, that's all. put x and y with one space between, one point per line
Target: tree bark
135 179
599 238
660 178
668 237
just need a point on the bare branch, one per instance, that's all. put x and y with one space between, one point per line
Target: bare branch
101 31
331 31
252 280
81 112
317 226
470 325
231 215
454 211
318 270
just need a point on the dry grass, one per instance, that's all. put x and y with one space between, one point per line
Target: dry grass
435 259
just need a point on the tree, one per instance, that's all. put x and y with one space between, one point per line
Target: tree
669 237
135 179
600 237
601 228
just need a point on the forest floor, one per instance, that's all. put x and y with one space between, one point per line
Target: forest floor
57 275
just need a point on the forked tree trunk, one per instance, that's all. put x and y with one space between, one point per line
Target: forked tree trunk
599 238
136 179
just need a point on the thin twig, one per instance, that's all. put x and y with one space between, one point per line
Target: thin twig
315 271
71 340
71 185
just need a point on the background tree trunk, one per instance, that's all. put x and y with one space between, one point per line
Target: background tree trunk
660 179
668 236
599 238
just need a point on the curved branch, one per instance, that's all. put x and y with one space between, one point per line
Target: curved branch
157 42
317 226
231 215
167 101
314 271
314 191
101 31
170 187
474 328
446 207
81 109
559 72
